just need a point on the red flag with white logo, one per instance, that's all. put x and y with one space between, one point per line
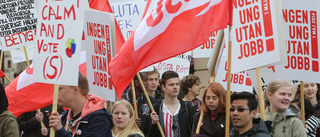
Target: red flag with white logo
169 29
103 5
24 95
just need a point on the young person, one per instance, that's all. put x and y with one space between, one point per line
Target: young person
152 85
175 116
86 117
243 111
190 86
311 93
284 116
214 108
124 121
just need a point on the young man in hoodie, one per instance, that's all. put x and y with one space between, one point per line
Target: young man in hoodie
8 124
243 111
87 116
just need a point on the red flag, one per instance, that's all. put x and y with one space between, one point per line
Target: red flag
2 74
24 95
103 5
168 30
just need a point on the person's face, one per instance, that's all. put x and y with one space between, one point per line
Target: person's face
171 87
241 117
121 116
310 90
212 101
66 95
195 89
152 81
280 100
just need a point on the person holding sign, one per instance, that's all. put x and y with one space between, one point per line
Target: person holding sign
243 111
124 121
214 108
190 86
311 93
311 115
284 116
8 124
86 117
174 115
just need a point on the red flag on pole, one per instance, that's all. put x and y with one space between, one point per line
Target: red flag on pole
2 74
103 5
166 31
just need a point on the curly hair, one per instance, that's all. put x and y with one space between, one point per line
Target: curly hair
188 82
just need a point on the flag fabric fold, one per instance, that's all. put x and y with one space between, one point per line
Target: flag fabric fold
104 5
2 74
167 30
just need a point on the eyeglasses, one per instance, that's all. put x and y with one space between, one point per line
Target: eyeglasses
239 109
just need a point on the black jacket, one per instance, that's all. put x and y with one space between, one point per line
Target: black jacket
186 114
259 129
210 128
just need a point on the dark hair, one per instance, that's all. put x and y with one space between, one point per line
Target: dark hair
252 101
168 75
218 90
297 95
308 108
17 73
188 82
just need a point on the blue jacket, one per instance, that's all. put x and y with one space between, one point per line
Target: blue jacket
92 123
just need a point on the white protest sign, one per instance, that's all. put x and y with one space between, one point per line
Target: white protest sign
302 40
128 14
18 54
179 64
98 44
18 19
256 34
59 35
204 50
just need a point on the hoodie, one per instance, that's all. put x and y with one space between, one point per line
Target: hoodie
286 124
259 129
8 124
94 120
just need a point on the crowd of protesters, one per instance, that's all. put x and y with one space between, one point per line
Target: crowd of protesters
168 114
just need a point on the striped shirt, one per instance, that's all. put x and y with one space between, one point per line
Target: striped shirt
312 123
168 120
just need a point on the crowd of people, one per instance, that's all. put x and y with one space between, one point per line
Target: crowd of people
173 116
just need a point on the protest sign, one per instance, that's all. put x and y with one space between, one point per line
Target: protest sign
205 49
302 41
18 19
99 51
128 14
257 34
18 54
58 41
179 64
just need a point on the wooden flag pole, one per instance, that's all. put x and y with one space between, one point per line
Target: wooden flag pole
41 122
26 54
149 102
228 88
7 79
219 43
261 106
302 102
1 58
54 106
134 100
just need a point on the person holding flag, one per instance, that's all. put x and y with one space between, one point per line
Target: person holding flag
175 115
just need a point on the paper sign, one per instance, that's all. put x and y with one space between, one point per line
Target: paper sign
59 35
205 49
18 19
255 38
98 43
302 40
18 54
128 14
179 64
